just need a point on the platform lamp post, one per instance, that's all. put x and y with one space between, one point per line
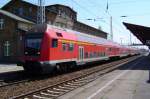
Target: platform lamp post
130 32
111 27
121 41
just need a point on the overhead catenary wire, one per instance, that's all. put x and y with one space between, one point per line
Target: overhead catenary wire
117 24
128 2
84 8
105 13
89 12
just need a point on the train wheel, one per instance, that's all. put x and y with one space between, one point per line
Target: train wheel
58 67
73 65
65 67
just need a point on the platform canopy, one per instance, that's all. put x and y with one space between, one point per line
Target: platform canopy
141 32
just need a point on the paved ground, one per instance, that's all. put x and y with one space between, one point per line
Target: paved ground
9 68
128 82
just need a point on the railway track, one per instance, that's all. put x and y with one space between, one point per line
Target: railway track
4 84
12 78
65 86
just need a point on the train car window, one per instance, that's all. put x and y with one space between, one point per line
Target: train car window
71 47
91 55
86 54
94 54
110 49
59 34
104 54
54 43
97 54
100 53
67 46
64 46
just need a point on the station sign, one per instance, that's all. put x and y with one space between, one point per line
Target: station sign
147 42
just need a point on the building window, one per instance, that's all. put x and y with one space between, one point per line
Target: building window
20 11
59 13
6 48
64 15
62 25
54 43
15 11
1 24
30 9
49 22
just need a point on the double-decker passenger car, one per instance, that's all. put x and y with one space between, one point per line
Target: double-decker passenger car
48 47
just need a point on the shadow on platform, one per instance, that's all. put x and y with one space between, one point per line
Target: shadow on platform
142 63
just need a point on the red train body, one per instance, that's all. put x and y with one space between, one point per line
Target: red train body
47 47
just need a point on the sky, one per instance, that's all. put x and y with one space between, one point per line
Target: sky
136 12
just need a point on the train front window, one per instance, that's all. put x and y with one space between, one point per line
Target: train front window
33 43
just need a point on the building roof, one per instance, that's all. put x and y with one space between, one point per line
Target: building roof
62 6
51 10
141 32
12 1
24 2
13 16
78 22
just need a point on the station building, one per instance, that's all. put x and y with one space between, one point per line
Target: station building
18 16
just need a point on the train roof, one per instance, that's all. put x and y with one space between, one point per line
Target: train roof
79 35
86 37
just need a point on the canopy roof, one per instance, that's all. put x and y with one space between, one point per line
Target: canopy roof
15 17
141 32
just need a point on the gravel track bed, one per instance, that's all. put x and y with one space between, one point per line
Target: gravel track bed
14 90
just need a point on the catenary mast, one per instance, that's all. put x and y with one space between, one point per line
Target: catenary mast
41 12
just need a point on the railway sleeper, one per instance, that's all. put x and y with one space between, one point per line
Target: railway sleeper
71 86
40 97
64 87
54 92
60 89
75 84
49 94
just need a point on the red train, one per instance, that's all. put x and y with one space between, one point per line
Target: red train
48 47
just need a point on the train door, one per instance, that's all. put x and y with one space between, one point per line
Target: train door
81 53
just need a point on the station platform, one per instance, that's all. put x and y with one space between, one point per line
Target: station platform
130 81
9 68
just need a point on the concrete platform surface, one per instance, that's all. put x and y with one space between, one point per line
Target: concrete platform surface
9 67
127 82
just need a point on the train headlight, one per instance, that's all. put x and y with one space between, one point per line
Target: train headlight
26 52
38 53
